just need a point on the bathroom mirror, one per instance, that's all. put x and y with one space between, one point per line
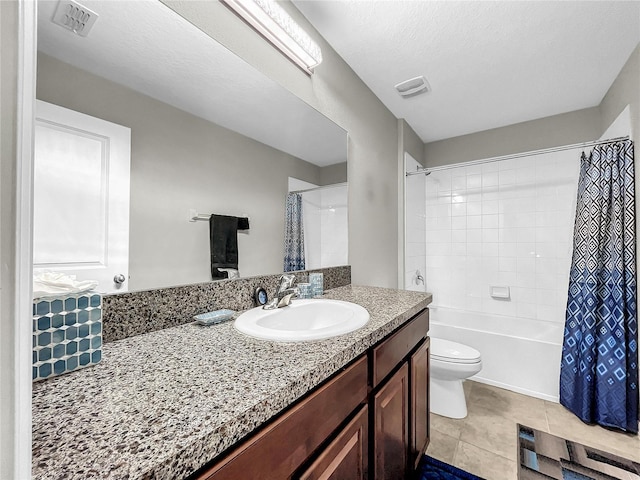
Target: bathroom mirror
208 134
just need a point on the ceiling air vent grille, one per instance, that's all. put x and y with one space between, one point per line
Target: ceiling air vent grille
74 17
413 86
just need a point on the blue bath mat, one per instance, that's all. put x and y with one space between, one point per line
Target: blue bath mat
432 469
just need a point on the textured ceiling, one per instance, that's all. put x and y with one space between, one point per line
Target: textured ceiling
489 64
169 59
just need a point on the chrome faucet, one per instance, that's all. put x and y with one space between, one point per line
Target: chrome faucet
285 294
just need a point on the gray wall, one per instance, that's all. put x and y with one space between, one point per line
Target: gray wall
337 92
567 128
410 141
179 162
624 91
336 173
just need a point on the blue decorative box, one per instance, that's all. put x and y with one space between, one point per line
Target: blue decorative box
67 334
317 284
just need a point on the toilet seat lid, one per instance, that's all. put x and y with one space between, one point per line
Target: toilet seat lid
448 351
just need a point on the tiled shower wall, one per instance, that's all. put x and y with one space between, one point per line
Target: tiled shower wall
507 223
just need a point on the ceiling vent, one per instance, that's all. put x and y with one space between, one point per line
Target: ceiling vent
413 87
74 17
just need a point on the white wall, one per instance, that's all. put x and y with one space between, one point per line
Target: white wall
507 223
17 35
408 144
415 233
9 380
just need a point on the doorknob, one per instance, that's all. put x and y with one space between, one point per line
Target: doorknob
119 279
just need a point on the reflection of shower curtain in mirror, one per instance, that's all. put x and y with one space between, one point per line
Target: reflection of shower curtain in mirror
293 234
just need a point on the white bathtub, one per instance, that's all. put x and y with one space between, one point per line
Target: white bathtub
518 354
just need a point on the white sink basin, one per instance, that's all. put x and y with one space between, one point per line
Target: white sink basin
303 320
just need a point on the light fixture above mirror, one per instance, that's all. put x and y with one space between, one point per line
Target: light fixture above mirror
273 23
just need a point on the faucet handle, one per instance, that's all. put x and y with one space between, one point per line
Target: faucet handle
286 282
286 300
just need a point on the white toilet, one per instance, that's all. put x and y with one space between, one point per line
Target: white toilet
451 363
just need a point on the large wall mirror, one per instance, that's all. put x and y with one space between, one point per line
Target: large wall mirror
146 122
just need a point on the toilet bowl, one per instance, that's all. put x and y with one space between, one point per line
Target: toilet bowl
451 363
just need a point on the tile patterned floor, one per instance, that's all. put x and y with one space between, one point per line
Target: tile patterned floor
485 442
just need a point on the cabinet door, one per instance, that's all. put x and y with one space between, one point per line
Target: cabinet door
419 367
346 458
391 424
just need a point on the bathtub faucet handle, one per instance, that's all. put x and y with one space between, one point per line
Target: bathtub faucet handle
419 278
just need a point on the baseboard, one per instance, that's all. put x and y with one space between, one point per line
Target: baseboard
524 391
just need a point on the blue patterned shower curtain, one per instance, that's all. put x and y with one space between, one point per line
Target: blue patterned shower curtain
293 234
599 370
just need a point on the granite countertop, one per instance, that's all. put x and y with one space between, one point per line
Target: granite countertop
163 404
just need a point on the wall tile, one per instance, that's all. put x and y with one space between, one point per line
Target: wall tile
490 179
458 209
474 208
526 310
490 235
507 264
459 249
506 177
507 278
474 181
459 223
490 221
458 183
474 221
509 223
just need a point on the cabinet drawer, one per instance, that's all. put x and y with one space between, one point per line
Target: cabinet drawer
278 450
346 458
387 355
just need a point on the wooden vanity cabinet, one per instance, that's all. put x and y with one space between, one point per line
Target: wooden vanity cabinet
400 404
369 421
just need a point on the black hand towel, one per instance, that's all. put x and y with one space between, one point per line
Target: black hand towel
223 235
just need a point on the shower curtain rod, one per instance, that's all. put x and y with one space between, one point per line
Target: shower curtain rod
333 185
428 170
